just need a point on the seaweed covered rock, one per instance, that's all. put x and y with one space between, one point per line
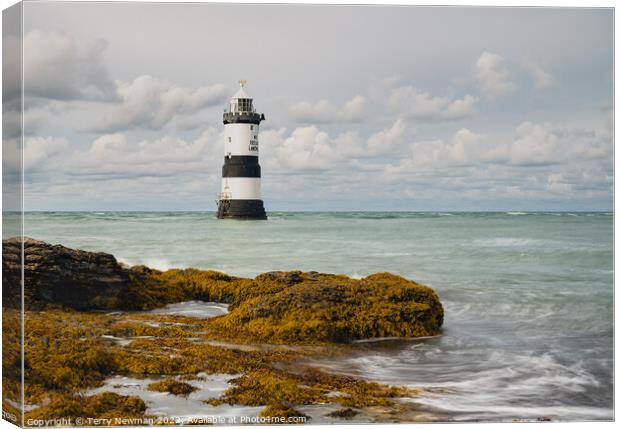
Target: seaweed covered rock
276 307
297 307
103 405
335 308
172 386
344 413
283 413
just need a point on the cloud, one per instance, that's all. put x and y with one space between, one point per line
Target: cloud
466 166
379 89
464 148
151 103
412 103
37 154
113 155
550 163
388 140
542 79
55 67
38 150
493 76
545 144
325 112
556 184
11 70
535 145
11 157
308 149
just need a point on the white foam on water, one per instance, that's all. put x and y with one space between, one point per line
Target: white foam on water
196 309
507 242
502 386
181 408
319 414
26 407
119 340
466 411
155 263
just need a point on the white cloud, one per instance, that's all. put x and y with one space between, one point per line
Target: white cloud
543 144
325 112
38 150
414 104
388 140
464 148
151 103
306 149
555 183
535 144
37 153
542 79
310 149
56 67
493 76
114 154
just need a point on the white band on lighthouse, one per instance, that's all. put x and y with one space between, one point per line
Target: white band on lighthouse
242 188
241 140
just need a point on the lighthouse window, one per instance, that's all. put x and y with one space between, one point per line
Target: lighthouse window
251 127
229 139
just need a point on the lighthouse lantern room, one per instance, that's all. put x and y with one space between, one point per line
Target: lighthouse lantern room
240 196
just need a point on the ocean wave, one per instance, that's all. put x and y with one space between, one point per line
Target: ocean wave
156 263
509 241
497 384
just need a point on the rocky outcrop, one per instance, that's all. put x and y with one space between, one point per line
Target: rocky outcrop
275 307
57 275
328 308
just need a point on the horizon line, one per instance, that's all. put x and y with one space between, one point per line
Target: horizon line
316 211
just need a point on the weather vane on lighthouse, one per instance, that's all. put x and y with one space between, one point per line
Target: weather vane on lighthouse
240 197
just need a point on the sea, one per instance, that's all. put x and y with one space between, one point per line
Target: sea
528 297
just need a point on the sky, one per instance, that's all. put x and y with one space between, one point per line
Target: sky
367 107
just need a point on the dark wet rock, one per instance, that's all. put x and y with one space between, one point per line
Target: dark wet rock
344 413
57 275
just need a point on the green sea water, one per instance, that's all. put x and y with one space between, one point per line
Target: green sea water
528 331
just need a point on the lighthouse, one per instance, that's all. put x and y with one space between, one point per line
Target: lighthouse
240 196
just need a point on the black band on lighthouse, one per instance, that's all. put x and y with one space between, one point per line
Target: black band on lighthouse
241 209
241 166
243 118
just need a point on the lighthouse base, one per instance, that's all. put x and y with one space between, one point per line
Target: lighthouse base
241 209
